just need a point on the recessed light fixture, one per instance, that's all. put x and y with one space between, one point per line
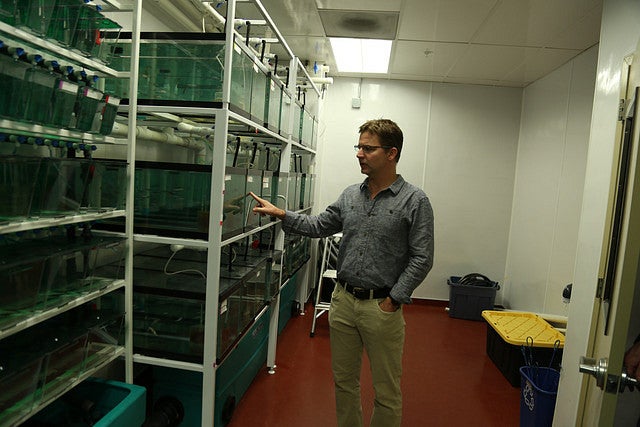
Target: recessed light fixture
361 55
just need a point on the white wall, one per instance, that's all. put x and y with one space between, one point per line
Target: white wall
552 150
460 147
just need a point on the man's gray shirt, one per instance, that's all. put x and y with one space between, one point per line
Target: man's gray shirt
387 241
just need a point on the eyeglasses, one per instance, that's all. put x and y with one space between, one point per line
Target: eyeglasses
369 148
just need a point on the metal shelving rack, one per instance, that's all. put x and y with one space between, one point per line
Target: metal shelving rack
28 129
223 121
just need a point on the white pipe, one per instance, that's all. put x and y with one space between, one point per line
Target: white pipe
322 80
258 40
238 21
195 130
316 80
146 134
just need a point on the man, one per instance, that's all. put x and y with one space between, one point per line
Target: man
386 251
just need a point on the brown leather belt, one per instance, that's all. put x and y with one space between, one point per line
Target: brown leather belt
363 293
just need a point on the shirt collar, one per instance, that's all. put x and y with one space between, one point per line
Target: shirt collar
394 188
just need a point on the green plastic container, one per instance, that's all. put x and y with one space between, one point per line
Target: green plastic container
104 402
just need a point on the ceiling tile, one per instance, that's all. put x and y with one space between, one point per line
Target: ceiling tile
530 22
437 20
582 34
538 63
409 57
487 62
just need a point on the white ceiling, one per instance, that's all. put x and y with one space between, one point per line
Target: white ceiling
487 42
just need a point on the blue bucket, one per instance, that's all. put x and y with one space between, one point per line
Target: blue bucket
538 391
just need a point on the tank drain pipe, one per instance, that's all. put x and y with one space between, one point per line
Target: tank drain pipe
195 130
146 134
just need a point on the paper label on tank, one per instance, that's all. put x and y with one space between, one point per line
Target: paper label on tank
89 93
111 100
227 177
265 182
67 86
249 178
223 307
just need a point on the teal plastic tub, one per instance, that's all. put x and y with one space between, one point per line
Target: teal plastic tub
96 402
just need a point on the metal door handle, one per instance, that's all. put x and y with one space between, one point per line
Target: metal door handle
628 381
598 369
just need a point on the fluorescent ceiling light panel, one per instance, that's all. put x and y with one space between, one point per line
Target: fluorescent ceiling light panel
361 55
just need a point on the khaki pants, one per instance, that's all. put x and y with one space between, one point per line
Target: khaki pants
355 324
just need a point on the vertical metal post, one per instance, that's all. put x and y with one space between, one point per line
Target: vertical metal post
131 167
215 231
285 164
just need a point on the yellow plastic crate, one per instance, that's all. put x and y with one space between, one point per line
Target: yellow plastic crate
515 327
507 333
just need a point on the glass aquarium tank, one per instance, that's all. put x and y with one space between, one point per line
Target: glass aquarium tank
274 105
259 95
172 199
234 211
285 118
293 192
297 121
242 74
50 268
307 129
47 358
17 186
183 69
254 184
169 298
68 186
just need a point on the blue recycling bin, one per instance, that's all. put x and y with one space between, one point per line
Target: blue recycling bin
538 391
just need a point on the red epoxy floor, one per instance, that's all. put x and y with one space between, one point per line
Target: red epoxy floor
448 378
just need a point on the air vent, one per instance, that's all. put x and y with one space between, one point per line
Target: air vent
359 24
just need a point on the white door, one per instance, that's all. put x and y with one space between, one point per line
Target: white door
618 268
